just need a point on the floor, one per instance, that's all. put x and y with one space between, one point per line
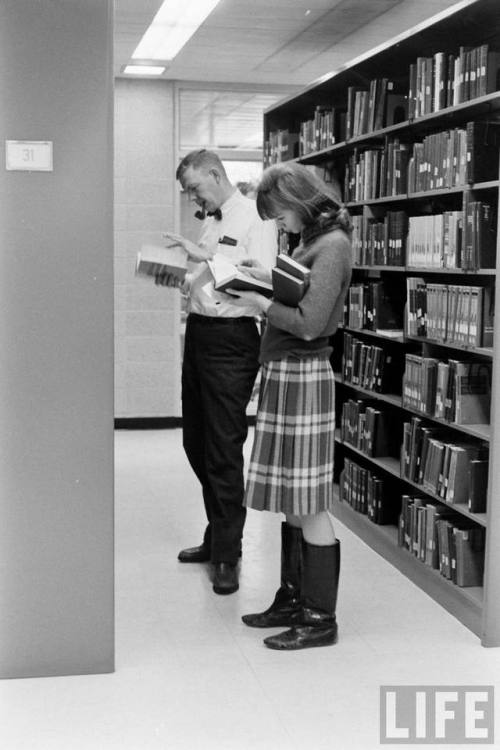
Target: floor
190 676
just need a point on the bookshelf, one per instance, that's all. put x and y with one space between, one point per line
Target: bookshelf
410 135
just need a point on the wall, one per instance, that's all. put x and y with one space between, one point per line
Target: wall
56 340
147 328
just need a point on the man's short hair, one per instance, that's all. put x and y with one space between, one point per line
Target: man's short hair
200 159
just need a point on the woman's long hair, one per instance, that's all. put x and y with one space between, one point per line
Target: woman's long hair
295 187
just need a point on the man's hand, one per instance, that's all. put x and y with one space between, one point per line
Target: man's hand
254 268
195 253
167 279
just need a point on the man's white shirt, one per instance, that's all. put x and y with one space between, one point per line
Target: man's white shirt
254 238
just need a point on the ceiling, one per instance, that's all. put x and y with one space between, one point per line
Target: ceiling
225 119
254 52
273 42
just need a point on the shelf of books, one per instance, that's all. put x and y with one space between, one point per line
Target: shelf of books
409 135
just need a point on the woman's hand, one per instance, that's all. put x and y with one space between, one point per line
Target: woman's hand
254 268
241 298
194 251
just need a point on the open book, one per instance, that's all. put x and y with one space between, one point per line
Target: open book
290 280
227 276
155 259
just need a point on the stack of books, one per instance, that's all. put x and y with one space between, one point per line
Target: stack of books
280 146
366 493
380 243
376 107
373 307
438 538
369 366
365 427
455 157
452 313
452 471
457 391
445 80
290 280
377 172
454 239
325 129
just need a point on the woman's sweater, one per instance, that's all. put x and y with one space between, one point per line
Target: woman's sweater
305 330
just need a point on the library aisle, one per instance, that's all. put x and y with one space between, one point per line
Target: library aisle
190 676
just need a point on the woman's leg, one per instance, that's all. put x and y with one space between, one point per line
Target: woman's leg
317 529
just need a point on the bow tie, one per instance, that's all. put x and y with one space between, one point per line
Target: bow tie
217 214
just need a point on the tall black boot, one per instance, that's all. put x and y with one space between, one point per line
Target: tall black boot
286 605
320 582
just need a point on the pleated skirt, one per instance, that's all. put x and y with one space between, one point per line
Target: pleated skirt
291 465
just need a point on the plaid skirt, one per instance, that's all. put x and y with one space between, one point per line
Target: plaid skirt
291 465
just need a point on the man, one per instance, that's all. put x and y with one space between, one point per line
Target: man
220 359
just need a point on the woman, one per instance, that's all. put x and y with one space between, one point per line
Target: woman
291 467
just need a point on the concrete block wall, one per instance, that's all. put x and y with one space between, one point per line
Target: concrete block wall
147 318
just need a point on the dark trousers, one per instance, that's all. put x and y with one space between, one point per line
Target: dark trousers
219 369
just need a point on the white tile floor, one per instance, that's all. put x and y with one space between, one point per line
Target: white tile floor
190 676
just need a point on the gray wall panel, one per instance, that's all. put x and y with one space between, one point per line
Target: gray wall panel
56 341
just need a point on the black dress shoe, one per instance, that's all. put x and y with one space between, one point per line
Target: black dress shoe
194 554
225 578
303 636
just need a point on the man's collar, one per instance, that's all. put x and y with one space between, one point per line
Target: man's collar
217 214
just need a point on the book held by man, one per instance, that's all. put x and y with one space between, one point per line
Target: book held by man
160 259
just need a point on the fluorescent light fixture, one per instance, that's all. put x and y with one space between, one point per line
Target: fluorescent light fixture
144 70
175 22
